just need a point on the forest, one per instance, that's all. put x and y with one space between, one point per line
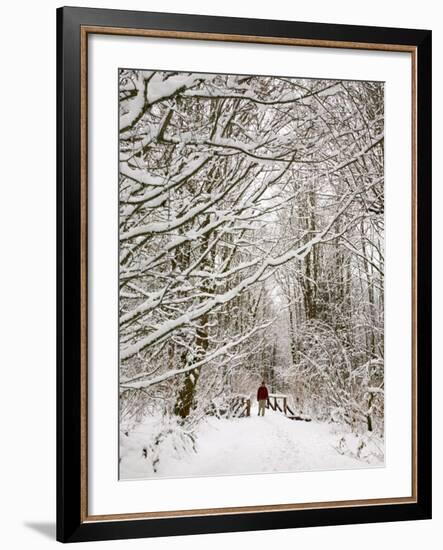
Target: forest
251 237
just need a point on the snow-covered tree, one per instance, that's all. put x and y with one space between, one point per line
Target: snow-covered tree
251 244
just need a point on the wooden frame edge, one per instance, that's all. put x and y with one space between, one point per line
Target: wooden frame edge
282 41
85 30
414 296
84 274
265 508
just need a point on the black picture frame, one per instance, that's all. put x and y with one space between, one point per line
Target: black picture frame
72 523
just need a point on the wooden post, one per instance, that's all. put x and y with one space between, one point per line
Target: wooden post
284 405
248 407
275 403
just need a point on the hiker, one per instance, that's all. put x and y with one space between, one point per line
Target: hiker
262 398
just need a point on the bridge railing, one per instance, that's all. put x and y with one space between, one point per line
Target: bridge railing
279 402
241 406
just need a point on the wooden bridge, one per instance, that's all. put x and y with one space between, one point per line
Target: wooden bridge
241 406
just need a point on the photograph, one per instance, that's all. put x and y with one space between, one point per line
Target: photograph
251 274
244 273
219 249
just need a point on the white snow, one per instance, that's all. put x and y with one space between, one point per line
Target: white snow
159 89
272 443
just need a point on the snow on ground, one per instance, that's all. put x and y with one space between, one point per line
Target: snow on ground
272 443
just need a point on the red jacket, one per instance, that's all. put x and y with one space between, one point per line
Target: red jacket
262 393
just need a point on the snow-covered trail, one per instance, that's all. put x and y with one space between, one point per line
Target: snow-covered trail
272 443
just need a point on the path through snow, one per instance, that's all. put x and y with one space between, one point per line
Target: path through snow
272 443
